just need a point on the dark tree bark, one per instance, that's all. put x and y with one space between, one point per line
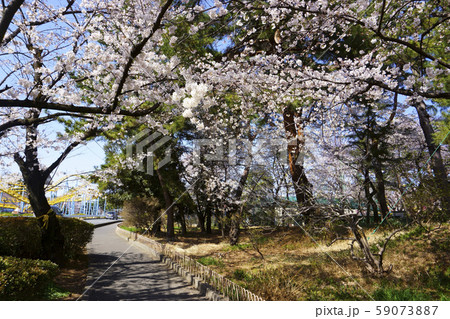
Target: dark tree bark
294 135
169 207
236 210
222 229
201 220
34 180
235 229
381 191
378 165
208 219
437 164
7 17
182 217
156 228
369 198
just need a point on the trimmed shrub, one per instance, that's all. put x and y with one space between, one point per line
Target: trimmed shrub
20 237
77 234
25 279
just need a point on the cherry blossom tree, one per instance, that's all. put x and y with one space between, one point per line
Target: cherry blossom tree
403 51
286 65
92 64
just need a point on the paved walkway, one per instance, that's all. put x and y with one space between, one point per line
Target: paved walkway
136 276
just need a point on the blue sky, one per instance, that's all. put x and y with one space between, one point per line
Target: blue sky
82 159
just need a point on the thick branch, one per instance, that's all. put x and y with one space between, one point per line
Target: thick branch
428 95
380 22
37 121
74 108
8 15
416 49
67 11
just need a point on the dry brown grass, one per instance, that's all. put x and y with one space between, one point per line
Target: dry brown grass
295 267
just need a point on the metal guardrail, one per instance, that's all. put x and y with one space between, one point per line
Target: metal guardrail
221 284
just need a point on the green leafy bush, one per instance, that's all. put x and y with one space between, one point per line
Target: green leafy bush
25 279
77 234
20 237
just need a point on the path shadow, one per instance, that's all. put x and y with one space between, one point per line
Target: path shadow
134 277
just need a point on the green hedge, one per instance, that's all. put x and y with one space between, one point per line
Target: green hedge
77 234
25 279
21 237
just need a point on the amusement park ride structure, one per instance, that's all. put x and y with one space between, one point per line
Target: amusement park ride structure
72 194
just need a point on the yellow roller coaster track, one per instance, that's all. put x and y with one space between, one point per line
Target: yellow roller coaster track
14 196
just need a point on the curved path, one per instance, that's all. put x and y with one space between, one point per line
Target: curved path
135 276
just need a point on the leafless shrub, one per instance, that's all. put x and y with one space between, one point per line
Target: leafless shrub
143 213
370 255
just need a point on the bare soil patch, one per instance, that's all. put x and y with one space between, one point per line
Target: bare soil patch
72 277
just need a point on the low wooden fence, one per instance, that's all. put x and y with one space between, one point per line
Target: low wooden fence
217 281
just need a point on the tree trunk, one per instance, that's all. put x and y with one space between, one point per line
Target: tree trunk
437 164
169 207
183 222
201 220
208 220
235 229
156 228
369 198
34 180
222 229
369 259
52 238
236 210
381 192
294 135
7 16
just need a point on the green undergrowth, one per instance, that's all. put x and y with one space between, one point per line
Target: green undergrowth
211 261
393 294
132 229
54 292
